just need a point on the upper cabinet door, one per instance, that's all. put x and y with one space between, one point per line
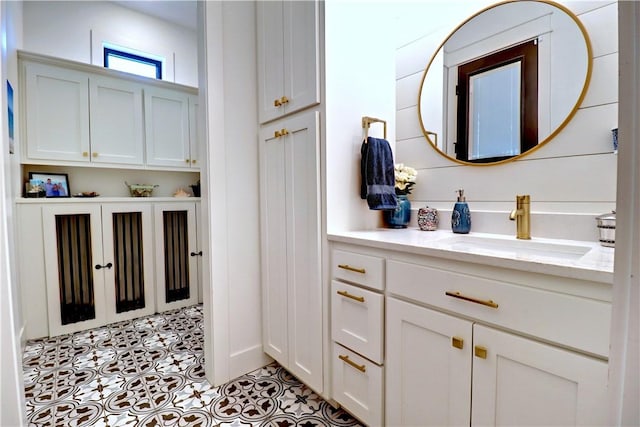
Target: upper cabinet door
167 127
116 121
288 57
57 113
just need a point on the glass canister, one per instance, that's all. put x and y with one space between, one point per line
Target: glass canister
428 219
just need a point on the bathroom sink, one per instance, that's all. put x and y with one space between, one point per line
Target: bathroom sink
513 248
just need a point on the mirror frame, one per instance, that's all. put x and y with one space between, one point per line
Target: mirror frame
556 131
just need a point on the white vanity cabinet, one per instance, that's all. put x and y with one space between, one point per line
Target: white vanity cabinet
288 57
357 331
491 347
292 306
170 128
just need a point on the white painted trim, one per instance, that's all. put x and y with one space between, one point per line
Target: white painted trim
247 360
624 365
214 215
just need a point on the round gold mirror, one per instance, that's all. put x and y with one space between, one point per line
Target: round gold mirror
505 82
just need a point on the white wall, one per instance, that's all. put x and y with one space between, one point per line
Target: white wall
573 175
75 30
359 75
12 388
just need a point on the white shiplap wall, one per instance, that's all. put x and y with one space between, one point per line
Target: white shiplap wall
571 179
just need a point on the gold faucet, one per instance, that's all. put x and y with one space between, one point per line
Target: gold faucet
522 215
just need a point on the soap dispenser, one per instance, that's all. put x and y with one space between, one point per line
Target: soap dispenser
461 217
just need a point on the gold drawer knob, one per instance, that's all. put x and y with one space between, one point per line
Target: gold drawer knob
457 342
480 352
94 154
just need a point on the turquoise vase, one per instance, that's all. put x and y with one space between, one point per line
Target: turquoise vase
401 215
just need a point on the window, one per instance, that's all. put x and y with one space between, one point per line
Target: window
132 63
498 104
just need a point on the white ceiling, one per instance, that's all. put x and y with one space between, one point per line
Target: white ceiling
181 12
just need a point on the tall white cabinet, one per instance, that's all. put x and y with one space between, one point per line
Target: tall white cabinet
290 215
288 57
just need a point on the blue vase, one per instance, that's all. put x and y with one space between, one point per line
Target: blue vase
400 216
461 218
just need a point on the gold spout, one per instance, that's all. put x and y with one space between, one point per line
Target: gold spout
522 215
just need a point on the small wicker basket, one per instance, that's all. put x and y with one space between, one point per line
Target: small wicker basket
140 190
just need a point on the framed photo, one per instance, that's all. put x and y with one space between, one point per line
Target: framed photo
53 184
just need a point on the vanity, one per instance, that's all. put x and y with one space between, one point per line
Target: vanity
434 328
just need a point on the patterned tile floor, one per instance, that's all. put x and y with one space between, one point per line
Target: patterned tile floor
148 372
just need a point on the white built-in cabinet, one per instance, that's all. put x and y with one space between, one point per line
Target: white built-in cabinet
288 57
56 113
84 264
98 264
290 245
170 128
177 255
79 114
489 347
116 118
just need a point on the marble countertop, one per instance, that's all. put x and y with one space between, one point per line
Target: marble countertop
566 258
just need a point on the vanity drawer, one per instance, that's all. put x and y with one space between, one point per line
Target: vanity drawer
357 317
357 268
357 385
580 323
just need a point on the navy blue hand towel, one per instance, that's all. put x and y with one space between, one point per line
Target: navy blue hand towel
378 177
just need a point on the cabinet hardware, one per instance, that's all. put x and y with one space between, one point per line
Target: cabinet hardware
98 266
196 253
348 295
284 100
457 342
345 359
480 352
284 132
488 303
85 154
193 161
94 154
348 267
187 160
277 103
277 134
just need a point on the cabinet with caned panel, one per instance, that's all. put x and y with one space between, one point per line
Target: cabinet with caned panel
98 264
84 264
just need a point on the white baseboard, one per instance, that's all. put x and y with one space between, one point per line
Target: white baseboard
247 360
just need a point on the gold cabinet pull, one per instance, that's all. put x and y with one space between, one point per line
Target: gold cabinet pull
480 352
488 303
186 160
350 362
355 269
193 161
277 134
277 103
348 295
284 132
284 100
94 154
457 342
85 154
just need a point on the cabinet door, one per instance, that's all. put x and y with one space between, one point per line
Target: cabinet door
292 291
428 367
167 127
116 121
302 183
194 135
273 216
128 246
73 267
524 382
270 58
301 55
176 255
57 113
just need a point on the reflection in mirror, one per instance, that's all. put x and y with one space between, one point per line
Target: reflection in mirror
505 81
